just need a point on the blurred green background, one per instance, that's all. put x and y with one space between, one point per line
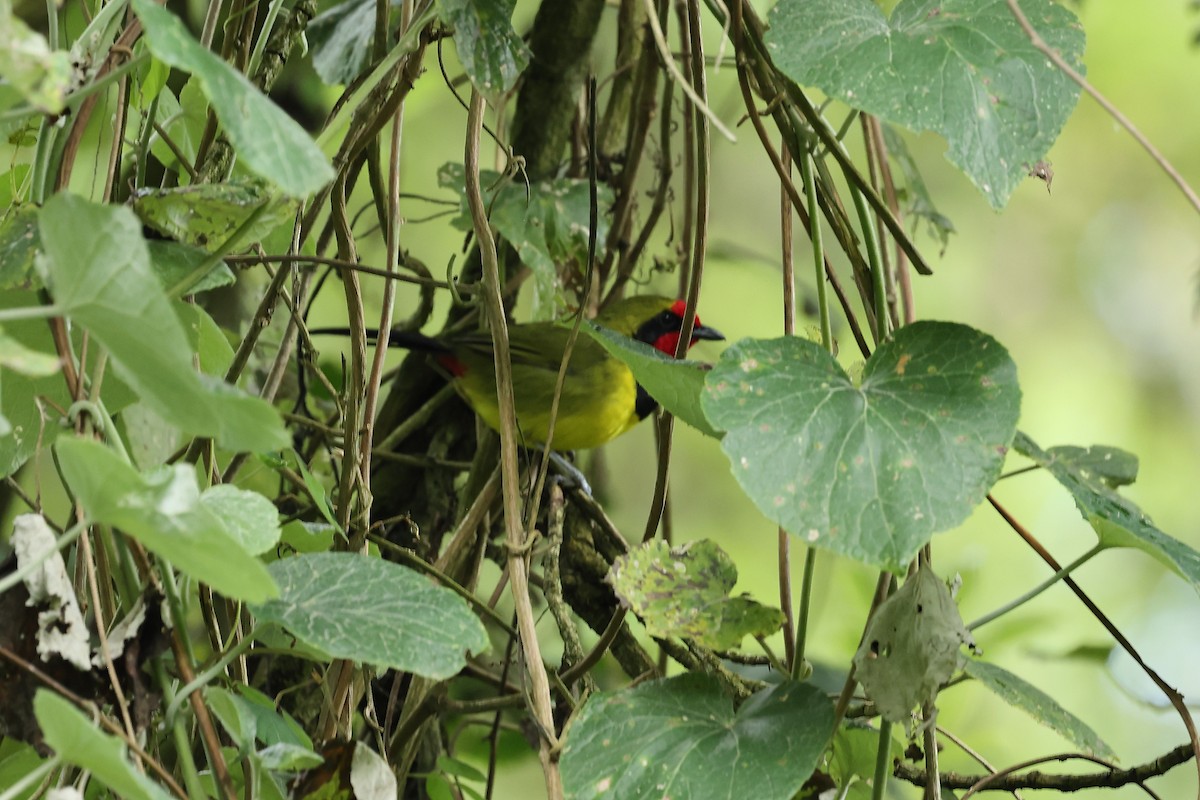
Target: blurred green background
1093 289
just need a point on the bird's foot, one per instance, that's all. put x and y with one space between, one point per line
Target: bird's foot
569 476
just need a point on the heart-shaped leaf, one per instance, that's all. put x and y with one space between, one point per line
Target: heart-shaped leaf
680 738
869 471
961 68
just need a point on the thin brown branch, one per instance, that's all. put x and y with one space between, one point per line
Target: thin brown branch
1006 781
539 694
104 721
1172 694
1037 41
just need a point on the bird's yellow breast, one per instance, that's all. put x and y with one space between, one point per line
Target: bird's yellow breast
597 404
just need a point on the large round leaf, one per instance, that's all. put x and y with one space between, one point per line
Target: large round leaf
962 68
869 471
681 738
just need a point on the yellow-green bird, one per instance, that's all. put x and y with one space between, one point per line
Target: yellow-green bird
600 399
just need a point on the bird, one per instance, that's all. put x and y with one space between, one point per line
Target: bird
600 399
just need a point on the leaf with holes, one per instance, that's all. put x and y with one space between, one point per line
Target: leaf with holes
684 591
911 646
870 471
961 68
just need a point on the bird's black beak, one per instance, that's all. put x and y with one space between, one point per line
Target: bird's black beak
703 332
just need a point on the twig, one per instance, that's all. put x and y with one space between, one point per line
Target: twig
664 51
1037 41
1172 694
1007 781
539 694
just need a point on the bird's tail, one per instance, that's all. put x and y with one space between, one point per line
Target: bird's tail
411 340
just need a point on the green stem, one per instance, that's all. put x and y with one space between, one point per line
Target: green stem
30 312
818 247
183 745
46 140
1035 591
883 759
866 221
810 568
175 603
205 677
31 778
76 97
408 43
265 34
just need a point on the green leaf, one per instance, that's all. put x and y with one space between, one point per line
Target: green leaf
1112 466
854 750
41 75
546 222
681 738
675 383
208 214
17 760
14 187
317 491
1039 705
19 358
273 726
372 611
961 68
684 592
235 716
75 738
869 471
250 518
206 338
18 243
174 262
459 769
182 120
98 268
919 200
491 52
283 757
163 510
910 647
23 399
150 439
341 39
1118 522
309 537
370 776
269 142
